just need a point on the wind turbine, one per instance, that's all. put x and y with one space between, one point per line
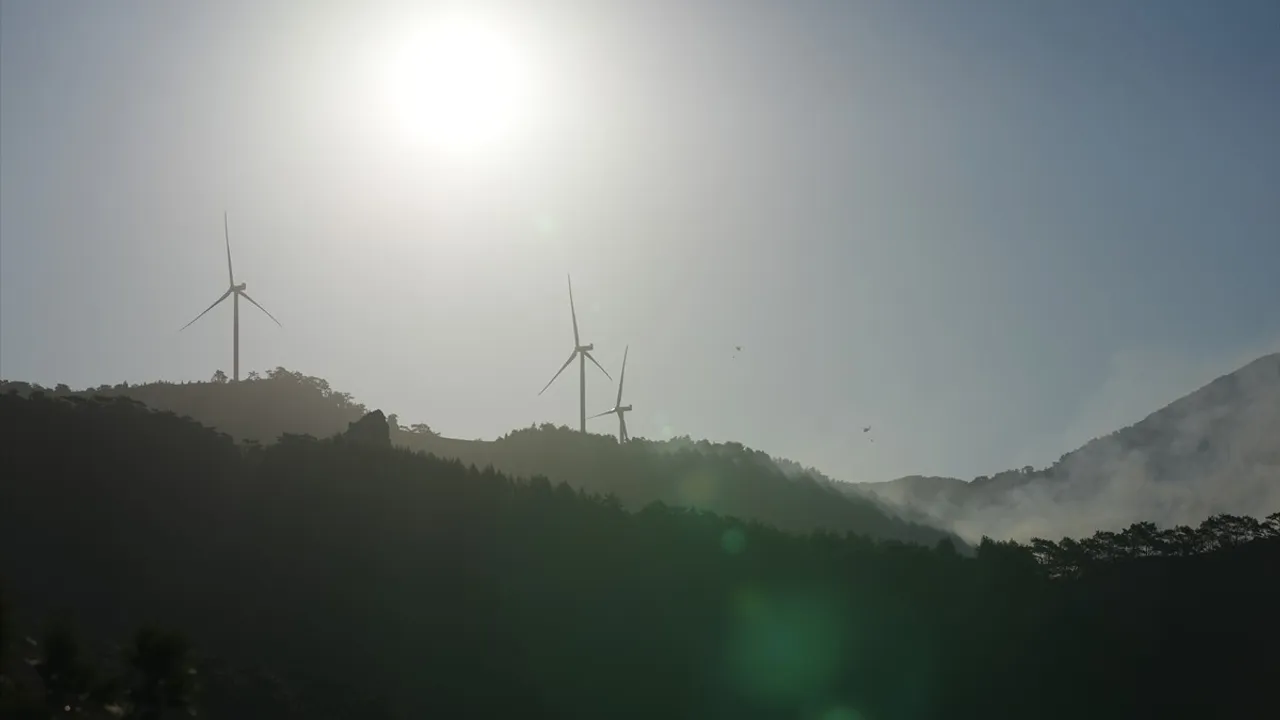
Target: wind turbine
583 353
235 292
618 408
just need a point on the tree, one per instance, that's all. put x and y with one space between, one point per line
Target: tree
4 629
219 376
421 429
253 375
163 675
66 677
945 547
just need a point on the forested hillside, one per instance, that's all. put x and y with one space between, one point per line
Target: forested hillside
432 589
726 478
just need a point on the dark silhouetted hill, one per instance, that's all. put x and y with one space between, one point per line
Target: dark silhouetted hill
726 478
261 408
1216 450
433 589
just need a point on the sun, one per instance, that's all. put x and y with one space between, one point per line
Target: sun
462 84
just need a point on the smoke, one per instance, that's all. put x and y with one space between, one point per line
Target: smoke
1216 450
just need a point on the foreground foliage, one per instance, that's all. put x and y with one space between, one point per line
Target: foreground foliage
355 570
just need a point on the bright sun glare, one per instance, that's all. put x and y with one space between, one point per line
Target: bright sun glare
462 84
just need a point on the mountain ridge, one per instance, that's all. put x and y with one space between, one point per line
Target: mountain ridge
726 478
1215 449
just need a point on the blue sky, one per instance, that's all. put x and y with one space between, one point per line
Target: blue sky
989 230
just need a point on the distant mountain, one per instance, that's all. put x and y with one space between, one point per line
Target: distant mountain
725 478
1215 450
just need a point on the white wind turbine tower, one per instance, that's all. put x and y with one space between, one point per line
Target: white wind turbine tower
583 353
235 292
618 408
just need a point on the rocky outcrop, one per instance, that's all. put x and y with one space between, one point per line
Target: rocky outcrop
371 430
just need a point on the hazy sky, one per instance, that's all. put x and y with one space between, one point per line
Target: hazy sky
990 230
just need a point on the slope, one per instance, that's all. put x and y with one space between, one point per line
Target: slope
445 591
725 478
1214 450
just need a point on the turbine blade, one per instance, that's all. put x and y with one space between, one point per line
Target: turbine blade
574 313
622 377
606 412
214 305
572 355
226 235
606 372
245 295
622 426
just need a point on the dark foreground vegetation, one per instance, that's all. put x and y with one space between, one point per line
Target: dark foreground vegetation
345 578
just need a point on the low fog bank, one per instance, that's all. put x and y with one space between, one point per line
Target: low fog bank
1216 450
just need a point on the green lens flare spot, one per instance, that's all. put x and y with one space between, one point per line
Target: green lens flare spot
842 713
733 541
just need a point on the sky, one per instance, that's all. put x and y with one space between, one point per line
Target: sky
990 230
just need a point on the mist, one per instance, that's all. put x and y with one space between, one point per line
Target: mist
1216 450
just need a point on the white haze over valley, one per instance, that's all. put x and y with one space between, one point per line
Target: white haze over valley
1216 450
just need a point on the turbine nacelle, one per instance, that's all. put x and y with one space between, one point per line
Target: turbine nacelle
586 348
624 408
239 288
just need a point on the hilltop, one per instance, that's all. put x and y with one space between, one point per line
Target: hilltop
725 478
1215 450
